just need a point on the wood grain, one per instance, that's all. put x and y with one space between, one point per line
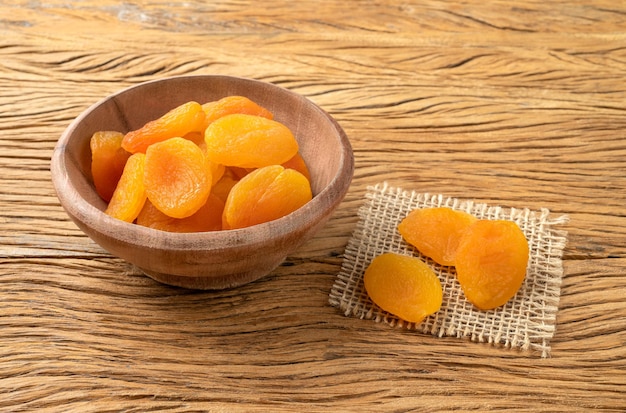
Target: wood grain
518 104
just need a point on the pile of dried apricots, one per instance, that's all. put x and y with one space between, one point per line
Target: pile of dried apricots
225 164
490 258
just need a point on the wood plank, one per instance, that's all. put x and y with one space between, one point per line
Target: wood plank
97 329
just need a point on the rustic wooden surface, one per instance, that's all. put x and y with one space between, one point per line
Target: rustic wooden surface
520 104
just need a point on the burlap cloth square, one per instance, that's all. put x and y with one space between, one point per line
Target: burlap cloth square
526 322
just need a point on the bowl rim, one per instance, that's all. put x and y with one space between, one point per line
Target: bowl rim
80 209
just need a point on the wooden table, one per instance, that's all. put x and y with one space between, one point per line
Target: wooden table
520 104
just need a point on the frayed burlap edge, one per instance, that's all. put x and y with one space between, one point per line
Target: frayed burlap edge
526 322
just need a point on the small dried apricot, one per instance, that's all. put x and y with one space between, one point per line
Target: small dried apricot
130 194
298 163
208 218
108 159
403 286
223 186
217 171
196 137
264 195
178 122
233 104
239 173
491 262
177 177
248 141
435 232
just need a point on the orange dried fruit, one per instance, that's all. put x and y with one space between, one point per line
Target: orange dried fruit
108 159
264 195
248 141
436 232
207 218
222 187
130 194
491 262
217 171
196 137
177 177
180 121
233 104
404 286
239 173
298 163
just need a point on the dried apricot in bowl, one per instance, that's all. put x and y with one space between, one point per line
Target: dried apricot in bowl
108 159
298 163
208 218
177 177
264 195
491 262
130 193
180 121
249 141
435 232
233 104
404 286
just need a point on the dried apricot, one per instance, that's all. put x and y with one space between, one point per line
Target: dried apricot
234 104
298 163
223 186
108 159
435 232
239 173
178 122
491 262
265 194
130 194
208 218
196 137
217 171
403 286
177 177
248 141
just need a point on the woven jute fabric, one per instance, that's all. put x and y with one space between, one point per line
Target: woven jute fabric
526 322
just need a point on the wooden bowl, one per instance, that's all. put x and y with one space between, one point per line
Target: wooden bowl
205 260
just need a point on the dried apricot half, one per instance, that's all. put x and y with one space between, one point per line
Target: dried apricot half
177 177
178 122
264 195
249 141
491 262
223 186
404 286
130 194
233 104
207 218
436 232
108 159
298 163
